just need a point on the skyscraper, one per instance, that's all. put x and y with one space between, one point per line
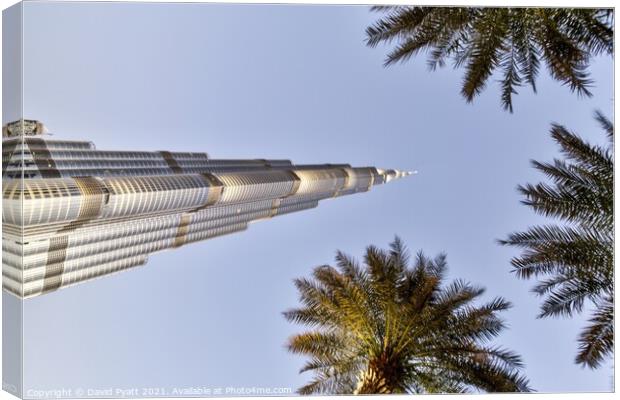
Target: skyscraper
72 213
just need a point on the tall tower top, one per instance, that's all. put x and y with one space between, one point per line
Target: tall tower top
390 174
23 127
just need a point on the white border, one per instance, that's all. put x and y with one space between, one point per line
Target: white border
541 3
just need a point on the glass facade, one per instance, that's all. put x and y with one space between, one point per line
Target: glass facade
72 213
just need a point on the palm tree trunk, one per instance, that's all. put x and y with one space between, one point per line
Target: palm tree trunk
382 376
372 381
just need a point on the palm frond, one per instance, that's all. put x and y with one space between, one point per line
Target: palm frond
487 40
576 259
596 342
392 326
491 29
605 123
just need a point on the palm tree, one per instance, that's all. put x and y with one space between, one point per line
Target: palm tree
576 258
511 40
389 328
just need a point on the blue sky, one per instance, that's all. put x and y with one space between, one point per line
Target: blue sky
296 82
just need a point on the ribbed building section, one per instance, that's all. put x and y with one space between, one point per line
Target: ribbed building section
72 213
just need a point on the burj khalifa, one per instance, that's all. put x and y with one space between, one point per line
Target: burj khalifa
72 213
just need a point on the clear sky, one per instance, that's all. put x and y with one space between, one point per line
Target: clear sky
295 82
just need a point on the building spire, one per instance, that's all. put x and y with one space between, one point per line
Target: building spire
390 174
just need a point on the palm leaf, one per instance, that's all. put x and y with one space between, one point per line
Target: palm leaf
574 260
393 326
508 41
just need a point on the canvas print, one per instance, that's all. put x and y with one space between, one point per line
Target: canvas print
223 200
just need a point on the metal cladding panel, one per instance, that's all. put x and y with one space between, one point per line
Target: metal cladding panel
352 191
291 208
111 172
76 250
231 220
255 185
12 270
44 201
48 201
280 163
350 179
85 244
224 230
40 279
240 163
76 257
363 178
106 156
62 267
320 166
82 255
30 145
85 274
320 181
189 156
11 157
56 271
12 204
12 247
68 162
99 231
12 286
77 158
132 196
37 287
223 211
190 160
302 198
237 166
